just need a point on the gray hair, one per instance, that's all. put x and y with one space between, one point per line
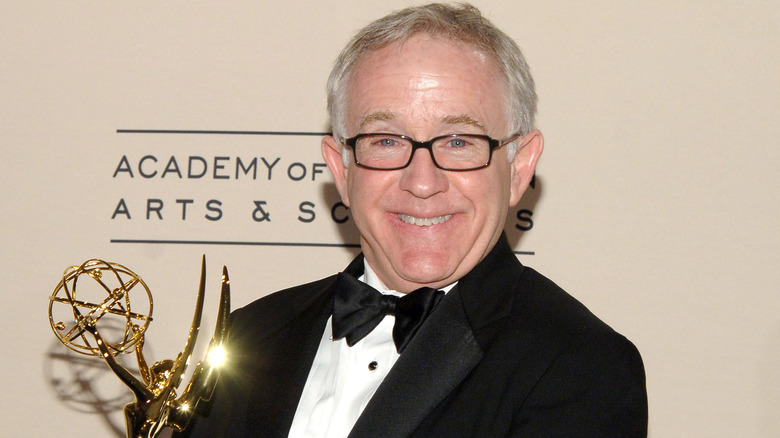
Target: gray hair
459 22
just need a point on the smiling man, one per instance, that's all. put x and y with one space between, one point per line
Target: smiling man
435 330
422 225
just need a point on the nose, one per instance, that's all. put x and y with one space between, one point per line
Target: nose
422 178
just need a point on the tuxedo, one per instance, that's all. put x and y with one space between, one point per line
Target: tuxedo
506 353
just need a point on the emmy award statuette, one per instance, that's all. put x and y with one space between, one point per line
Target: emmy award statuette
110 296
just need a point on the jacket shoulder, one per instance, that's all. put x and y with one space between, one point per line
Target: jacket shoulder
541 303
574 370
271 312
589 368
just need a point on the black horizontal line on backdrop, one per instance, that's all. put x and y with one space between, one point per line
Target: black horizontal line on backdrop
207 132
235 242
248 243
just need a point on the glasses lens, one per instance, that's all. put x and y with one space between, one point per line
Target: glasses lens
383 151
461 152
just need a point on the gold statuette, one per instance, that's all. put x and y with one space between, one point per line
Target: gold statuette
115 299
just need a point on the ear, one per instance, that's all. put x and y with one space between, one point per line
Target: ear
523 164
331 152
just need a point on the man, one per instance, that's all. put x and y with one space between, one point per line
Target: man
432 112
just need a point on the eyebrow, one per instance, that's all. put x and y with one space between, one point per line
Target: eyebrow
464 119
460 119
376 116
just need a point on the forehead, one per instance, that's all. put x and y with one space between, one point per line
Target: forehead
427 77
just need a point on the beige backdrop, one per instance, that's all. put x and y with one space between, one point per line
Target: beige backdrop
656 198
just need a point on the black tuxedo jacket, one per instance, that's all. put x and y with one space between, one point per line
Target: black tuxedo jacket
506 353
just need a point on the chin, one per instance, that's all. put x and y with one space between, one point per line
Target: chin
425 269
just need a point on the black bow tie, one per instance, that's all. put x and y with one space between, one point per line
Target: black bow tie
359 308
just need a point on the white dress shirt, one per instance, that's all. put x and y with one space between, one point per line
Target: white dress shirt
343 379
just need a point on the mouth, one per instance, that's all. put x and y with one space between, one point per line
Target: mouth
424 222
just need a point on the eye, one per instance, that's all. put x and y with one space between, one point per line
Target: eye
382 141
387 141
457 142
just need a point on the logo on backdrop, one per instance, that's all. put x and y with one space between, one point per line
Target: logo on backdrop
234 187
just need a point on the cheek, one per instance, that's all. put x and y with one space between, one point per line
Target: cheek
489 195
365 189
483 189
359 188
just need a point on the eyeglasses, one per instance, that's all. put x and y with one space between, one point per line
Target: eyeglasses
456 152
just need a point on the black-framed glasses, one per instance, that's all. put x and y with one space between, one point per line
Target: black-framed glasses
456 152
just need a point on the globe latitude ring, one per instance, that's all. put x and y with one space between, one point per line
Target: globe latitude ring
104 294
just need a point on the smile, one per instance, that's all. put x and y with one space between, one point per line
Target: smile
423 222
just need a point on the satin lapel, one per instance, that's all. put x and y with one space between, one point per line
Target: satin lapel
419 381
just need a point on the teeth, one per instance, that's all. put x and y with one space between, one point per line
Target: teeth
422 222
